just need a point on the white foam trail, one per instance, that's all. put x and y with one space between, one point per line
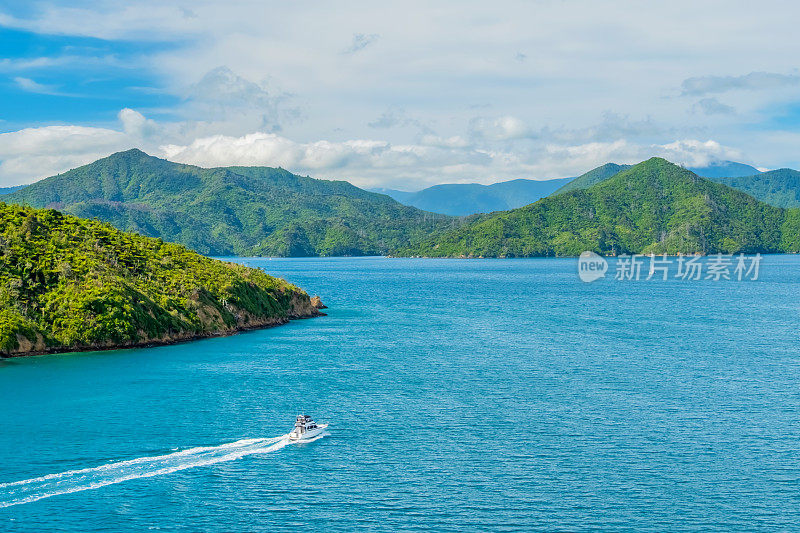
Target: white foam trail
31 490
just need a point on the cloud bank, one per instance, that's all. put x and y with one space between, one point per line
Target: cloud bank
405 94
34 153
753 81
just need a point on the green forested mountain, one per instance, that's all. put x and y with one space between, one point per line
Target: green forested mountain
68 284
461 199
470 198
233 211
655 206
714 170
594 176
776 187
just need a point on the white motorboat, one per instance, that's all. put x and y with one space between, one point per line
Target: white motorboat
306 428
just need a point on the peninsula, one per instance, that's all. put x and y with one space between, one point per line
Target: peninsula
70 284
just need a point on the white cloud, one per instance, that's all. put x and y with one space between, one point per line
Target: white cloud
269 149
38 152
224 88
32 86
361 41
456 141
594 151
751 82
499 128
43 63
712 106
389 119
34 153
145 20
371 162
397 118
688 152
554 82
363 161
694 153
135 124
27 84
257 149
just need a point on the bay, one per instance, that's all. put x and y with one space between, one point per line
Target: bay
462 395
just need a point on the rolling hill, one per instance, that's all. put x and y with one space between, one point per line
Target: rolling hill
653 207
233 211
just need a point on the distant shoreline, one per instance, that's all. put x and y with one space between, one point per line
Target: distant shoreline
577 256
233 258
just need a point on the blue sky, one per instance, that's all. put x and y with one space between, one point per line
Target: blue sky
399 94
72 79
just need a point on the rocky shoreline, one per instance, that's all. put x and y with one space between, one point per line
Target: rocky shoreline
301 307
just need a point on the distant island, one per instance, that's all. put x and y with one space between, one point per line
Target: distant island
68 284
653 207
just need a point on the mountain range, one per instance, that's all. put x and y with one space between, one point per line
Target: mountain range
470 198
652 207
724 169
780 188
234 210
272 212
461 199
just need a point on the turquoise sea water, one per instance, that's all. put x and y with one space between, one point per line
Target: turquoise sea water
481 395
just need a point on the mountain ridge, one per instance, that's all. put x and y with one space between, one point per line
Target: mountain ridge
779 187
652 207
724 169
232 210
592 177
462 199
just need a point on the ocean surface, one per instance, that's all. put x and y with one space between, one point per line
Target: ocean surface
462 395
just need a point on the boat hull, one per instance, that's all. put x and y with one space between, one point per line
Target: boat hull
309 434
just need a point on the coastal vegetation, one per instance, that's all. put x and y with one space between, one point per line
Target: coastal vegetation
72 284
653 207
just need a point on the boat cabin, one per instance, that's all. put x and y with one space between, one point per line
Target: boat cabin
304 423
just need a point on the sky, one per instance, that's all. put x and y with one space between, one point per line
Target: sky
399 94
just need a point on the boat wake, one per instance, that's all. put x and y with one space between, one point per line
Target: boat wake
31 490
